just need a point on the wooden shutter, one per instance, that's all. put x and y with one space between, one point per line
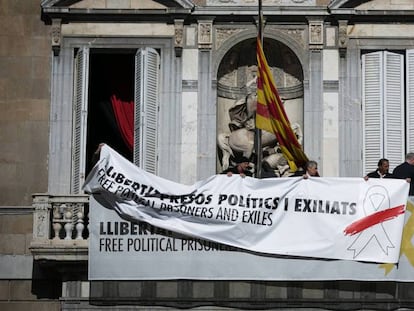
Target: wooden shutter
410 100
394 127
372 111
147 63
80 112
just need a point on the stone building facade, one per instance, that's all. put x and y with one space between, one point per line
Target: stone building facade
344 69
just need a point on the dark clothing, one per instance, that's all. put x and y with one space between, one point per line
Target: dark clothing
376 174
268 174
403 171
235 171
298 173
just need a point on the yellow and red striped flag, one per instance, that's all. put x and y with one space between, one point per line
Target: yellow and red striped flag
271 115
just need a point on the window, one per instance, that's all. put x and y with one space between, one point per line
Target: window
388 107
106 82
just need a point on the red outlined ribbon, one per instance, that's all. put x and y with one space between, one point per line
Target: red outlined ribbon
370 228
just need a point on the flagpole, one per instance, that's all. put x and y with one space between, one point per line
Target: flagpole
258 132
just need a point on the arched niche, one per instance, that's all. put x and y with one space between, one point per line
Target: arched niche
235 74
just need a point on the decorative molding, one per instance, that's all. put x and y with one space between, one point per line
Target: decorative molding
330 86
205 40
16 210
342 37
233 92
50 3
41 216
316 33
56 35
222 34
265 2
189 85
295 34
178 37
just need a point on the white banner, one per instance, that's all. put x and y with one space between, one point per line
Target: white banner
333 218
123 250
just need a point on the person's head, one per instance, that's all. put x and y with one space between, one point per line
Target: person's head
311 167
243 163
383 166
409 158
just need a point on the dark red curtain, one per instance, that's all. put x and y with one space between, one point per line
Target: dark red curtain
124 115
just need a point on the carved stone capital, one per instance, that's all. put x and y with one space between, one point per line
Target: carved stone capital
342 37
56 35
205 35
178 37
316 37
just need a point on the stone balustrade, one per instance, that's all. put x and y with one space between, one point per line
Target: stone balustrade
60 227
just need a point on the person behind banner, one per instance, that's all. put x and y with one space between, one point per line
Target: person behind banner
381 171
267 171
310 170
406 171
242 168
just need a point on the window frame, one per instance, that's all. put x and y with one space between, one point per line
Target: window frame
62 107
388 134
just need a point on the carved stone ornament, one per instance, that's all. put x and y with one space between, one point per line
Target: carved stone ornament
178 37
342 37
342 34
295 34
315 33
41 217
222 34
254 2
56 35
205 34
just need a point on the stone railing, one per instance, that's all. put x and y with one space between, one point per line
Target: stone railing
60 227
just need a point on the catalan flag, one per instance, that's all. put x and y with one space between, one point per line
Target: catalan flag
271 115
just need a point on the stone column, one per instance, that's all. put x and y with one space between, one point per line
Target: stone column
313 110
206 112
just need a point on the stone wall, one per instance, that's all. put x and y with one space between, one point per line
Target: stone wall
24 87
17 281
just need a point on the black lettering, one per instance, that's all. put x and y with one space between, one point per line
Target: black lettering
335 208
110 245
298 203
352 209
276 202
241 202
109 170
209 198
124 229
101 228
267 204
307 205
233 199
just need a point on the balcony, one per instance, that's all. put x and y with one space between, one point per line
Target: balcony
60 227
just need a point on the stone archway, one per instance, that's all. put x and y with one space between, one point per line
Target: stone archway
236 89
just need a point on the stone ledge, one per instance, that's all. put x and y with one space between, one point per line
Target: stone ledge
60 250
